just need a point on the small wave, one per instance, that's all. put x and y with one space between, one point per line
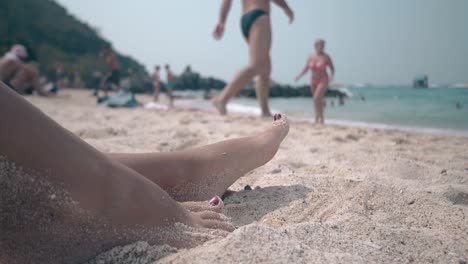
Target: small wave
424 130
245 109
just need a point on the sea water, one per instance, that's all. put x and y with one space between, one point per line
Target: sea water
432 110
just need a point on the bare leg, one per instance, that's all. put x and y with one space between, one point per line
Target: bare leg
104 86
204 172
318 101
156 91
28 74
240 81
259 63
262 89
171 97
105 188
313 89
260 45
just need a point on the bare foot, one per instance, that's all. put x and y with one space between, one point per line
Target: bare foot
216 204
220 106
221 164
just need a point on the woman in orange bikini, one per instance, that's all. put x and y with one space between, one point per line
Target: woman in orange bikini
318 64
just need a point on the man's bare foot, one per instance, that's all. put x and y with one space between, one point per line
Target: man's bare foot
220 106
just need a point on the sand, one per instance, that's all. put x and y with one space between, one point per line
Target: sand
332 194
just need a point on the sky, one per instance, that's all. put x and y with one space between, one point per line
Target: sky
370 41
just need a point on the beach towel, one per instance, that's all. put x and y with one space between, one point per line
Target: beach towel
123 98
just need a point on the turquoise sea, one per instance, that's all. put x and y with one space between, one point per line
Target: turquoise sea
431 110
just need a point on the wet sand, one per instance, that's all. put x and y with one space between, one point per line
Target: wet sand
332 194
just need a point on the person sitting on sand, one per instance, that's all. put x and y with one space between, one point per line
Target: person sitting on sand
156 83
170 84
20 76
256 28
128 192
113 77
318 64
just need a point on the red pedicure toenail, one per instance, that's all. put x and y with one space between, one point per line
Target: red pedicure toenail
277 117
214 201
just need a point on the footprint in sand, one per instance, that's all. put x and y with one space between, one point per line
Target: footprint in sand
458 198
339 139
275 171
347 139
313 150
185 121
400 141
352 137
101 132
297 165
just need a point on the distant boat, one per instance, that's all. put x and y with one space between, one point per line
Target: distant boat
421 81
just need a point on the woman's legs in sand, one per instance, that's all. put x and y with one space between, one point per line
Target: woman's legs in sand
105 188
319 93
201 173
259 64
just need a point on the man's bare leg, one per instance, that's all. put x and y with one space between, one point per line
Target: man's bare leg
260 45
105 188
156 92
259 50
201 173
239 82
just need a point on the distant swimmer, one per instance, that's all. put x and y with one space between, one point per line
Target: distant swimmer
156 82
170 78
256 28
458 105
17 74
341 100
113 77
318 63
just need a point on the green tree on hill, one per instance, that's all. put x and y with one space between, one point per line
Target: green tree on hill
53 36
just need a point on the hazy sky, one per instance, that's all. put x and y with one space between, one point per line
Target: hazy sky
378 41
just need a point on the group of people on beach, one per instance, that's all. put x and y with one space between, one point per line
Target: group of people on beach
148 189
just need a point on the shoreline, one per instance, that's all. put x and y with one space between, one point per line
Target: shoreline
242 109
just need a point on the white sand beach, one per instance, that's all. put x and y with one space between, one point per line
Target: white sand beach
332 194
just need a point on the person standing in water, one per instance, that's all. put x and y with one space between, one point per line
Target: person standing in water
318 63
113 77
156 82
256 28
170 84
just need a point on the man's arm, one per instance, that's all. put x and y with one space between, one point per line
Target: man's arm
283 5
219 29
225 8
